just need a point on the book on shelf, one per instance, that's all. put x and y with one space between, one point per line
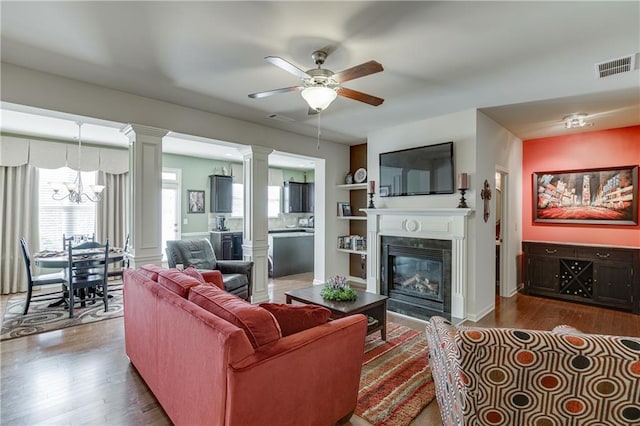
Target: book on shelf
352 242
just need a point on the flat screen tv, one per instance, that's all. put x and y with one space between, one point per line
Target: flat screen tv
417 171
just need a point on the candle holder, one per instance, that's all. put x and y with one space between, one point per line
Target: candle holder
371 206
463 202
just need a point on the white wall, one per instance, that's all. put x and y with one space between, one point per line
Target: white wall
460 128
41 90
499 150
480 147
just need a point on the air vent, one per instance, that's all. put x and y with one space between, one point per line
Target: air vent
280 117
615 66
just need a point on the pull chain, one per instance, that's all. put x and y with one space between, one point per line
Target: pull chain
319 114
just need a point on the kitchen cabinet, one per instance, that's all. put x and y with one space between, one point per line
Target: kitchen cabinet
291 253
298 197
605 276
227 245
221 193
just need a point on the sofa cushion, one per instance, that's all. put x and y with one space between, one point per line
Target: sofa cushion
258 324
295 318
151 271
178 282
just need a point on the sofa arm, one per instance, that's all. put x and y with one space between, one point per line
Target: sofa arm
213 277
321 364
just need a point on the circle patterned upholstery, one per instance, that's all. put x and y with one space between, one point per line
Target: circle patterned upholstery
503 376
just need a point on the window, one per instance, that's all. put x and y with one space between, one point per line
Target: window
63 217
273 201
237 206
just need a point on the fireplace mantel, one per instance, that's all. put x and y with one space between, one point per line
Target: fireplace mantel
436 223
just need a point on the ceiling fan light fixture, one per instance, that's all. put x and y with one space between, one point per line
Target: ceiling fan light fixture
576 120
319 97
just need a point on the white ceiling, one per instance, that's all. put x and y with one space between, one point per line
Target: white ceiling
525 64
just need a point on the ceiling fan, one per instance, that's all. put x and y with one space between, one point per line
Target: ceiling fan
320 86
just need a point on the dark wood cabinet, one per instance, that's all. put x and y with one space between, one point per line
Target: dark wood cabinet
221 193
227 245
298 197
605 276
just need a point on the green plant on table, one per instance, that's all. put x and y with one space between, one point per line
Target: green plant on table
338 289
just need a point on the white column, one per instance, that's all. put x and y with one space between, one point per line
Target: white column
255 246
145 192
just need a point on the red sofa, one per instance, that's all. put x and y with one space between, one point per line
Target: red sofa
233 367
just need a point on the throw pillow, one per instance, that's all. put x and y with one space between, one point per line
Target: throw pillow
193 272
258 324
206 277
295 318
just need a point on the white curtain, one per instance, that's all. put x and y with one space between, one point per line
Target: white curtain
110 220
18 218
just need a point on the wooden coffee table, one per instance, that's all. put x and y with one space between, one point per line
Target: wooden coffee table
370 304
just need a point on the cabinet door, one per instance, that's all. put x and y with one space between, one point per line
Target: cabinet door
221 193
613 284
227 247
292 200
236 251
309 197
542 274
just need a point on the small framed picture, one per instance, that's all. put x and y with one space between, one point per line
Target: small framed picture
195 201
384 191
346 209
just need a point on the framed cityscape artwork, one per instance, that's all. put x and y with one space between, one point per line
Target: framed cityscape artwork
607 196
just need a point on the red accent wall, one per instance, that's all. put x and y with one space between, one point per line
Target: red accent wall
606 148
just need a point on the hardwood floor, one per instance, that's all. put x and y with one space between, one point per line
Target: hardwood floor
81 374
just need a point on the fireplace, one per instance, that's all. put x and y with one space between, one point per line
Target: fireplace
415 273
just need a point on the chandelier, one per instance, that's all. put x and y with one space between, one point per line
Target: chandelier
75 190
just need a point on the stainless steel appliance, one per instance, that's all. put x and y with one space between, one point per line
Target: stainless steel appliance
220 226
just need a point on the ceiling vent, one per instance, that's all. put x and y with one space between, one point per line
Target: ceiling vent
280 117
615 66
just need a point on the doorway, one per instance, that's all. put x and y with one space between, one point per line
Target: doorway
170 207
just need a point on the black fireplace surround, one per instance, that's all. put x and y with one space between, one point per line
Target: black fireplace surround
415 273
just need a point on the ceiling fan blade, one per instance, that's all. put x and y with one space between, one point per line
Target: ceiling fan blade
275 92
287 66
358 71
359 96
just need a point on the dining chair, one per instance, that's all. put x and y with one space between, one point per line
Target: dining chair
87 273
76 239
116 269
38 280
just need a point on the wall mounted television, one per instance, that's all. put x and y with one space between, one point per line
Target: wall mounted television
423 170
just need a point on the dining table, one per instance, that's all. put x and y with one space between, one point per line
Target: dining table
60 260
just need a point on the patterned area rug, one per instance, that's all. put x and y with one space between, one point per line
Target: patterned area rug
41 317
396 382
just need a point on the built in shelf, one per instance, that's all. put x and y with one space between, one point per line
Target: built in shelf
353 217
361 252
351 186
